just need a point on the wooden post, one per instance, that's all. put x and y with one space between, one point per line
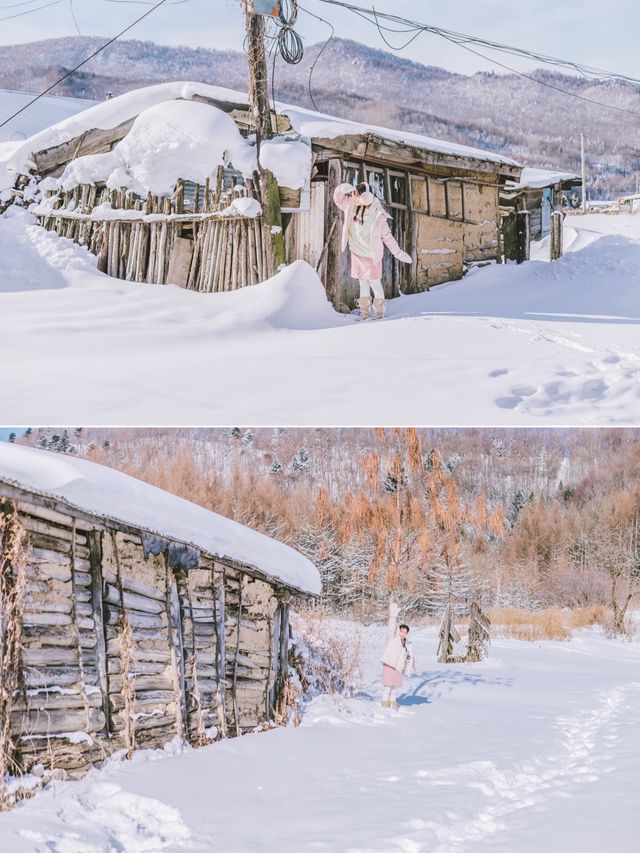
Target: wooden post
259 100
174 630
334 239
234 688
556 235
95 551
523 236
479 633
219 615
509 237
448 637
282 659
583 174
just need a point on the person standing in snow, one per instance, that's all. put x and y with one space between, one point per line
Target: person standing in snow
366 231
397 660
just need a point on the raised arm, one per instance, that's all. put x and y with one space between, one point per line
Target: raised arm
342 196
392 627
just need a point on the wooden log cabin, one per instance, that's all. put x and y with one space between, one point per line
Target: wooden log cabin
130 617
443 198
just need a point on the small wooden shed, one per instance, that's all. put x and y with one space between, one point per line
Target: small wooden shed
130 616
540 193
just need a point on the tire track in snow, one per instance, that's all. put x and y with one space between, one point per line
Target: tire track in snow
510 790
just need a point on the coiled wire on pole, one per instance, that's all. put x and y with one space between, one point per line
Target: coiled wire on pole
285 41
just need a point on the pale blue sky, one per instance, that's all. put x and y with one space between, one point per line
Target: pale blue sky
589 31
5 432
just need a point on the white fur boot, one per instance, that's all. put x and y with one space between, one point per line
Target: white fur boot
379 306
364 304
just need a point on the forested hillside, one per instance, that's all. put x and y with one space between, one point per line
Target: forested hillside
518 517
536 124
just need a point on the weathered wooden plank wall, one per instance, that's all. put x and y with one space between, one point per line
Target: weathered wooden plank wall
120 650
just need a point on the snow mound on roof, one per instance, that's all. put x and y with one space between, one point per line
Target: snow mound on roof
183 139
288 159
102 491
171 140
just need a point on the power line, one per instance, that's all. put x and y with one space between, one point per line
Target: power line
319 54
29 11
84 62
19 5
73 15
461 40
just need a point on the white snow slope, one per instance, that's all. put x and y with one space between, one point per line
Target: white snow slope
534 749
533 344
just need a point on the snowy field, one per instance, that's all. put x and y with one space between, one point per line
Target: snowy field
534 749
538 344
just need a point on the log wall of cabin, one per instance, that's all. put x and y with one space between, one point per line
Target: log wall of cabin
121 651
202 602
250 657
60 648
143 667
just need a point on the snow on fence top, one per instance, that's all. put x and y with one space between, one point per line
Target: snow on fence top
106 493
535 179
308 124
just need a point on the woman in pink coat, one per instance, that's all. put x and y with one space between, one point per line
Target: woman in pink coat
366 231
397 660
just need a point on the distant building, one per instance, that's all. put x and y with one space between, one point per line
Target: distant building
540 192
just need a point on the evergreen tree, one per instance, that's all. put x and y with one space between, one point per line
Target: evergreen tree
517 504
300 461
276 467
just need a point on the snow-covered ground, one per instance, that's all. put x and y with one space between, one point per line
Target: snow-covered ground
536 344
534 749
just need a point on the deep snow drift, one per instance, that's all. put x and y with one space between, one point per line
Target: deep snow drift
538 343
534 749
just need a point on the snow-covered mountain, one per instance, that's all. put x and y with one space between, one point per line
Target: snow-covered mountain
534 123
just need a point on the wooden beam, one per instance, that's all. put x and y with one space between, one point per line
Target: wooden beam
89 142
384 151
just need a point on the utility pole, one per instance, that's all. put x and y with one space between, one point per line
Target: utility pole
259 101
584 175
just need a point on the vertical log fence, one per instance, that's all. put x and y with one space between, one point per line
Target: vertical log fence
193 238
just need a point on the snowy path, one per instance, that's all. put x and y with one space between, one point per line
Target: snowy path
537 344
534 749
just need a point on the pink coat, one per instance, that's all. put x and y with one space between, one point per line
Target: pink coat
381 235
397 655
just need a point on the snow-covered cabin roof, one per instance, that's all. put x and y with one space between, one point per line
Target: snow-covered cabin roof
532 179
42 114
105 493
307 123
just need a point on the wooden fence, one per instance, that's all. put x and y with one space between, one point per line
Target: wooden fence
206 248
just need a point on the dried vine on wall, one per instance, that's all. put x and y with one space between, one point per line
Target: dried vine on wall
13 552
